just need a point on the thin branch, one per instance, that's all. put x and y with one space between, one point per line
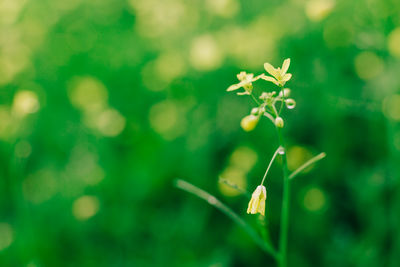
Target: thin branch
308 163
234 186
213 201
278 150
255 99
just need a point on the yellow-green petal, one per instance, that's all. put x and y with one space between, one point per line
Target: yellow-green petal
270 69
285 65
270 79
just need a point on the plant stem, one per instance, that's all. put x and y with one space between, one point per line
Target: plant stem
255 99
270 163
285 206
308 163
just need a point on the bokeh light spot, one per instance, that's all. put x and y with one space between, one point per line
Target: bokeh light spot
166 119
391 107
88 94
6 235
25 102
169 66
234 176
110 122
223 8
314 199
205 54
368 65
244 158
394 42
85 207
317 10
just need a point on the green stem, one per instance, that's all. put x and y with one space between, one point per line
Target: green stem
285 206
308 163
270 163
255 99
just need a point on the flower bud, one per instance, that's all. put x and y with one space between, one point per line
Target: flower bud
249 122
290 103
254 111
285 92
279 122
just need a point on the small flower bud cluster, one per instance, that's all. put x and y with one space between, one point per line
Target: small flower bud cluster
271 104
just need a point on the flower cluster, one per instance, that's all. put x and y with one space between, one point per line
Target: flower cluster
270 104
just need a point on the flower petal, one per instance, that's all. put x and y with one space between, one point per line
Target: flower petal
270 79
270 69
233 87
286 77
243 93
250 205
257 77
261 208
285 66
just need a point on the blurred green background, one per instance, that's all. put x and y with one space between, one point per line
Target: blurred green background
103 103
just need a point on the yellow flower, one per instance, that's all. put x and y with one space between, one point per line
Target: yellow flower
280 77
249 122
246 80
257 201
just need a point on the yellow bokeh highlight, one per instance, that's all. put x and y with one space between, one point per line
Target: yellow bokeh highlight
241 161
110 122
314 199
6 235
264 33
10 10
391 107
223 8
394 42
317 10
205 53
167 119
368 65
169 66
14 57
85 207
156 19
244 158
88 94
25 102
159 73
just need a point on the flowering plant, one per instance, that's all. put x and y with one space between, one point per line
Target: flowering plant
270 105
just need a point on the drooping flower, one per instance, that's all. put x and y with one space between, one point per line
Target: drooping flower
257 201
246 80
280 77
